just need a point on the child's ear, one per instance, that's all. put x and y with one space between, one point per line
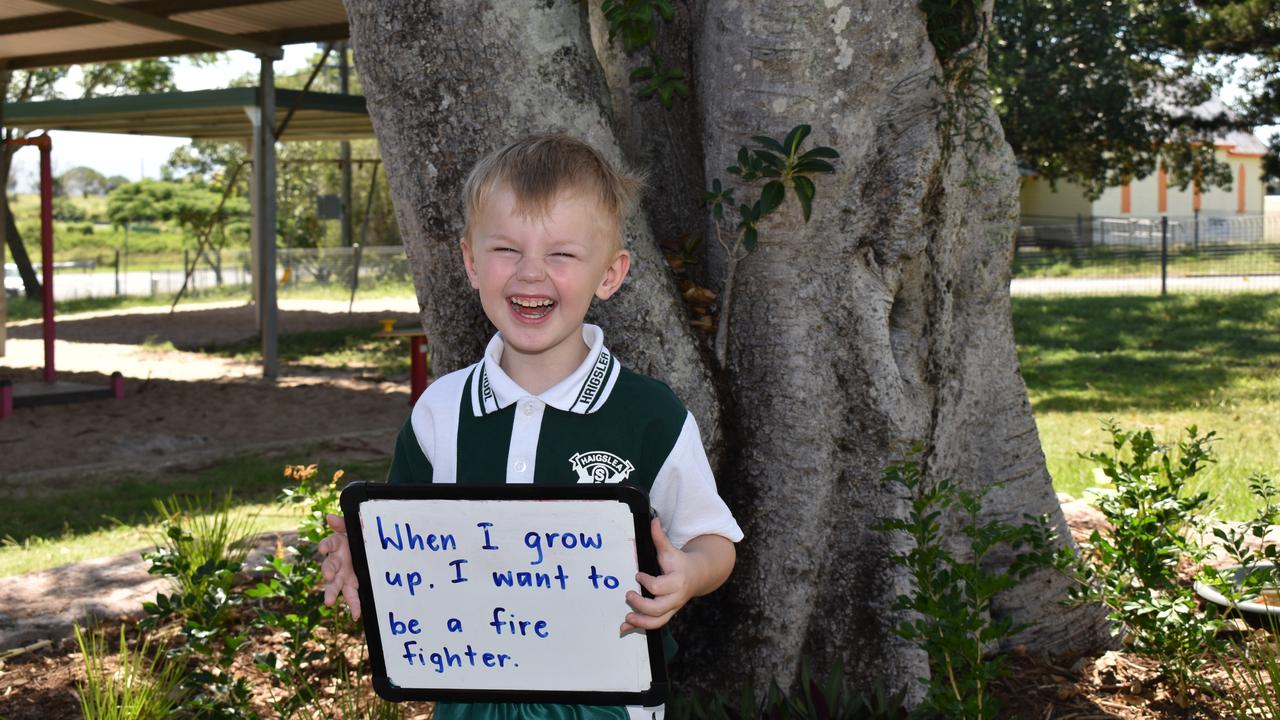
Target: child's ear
614 275
469 262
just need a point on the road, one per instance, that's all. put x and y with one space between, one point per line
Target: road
1144 285
72 284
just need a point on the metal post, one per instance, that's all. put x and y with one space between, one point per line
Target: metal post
1164 255
356 251
264 216
117 273
344 149
126 258
46 252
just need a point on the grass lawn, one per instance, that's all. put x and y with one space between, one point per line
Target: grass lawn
340 348
1210 361
50 528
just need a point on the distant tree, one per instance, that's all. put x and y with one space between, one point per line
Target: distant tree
1247 29
65 210
1101 92
304 173
114 182
83 181
139 76
191 205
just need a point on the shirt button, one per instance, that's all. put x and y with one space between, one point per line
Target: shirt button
528 408
520 466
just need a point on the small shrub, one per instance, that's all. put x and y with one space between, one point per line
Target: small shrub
294 575
950 603
1136 569
138 685
202 549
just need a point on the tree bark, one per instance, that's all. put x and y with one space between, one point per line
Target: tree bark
441 94
882 321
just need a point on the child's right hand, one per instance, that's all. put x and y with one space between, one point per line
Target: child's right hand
339 576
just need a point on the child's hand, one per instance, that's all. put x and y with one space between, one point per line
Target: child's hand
701 567
339 576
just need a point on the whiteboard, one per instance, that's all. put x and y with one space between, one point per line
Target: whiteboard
504 593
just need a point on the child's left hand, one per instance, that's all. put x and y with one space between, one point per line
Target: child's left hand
701 567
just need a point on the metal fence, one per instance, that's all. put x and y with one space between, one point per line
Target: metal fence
1159 255
337 272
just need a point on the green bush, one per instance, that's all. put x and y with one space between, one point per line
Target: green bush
1134 569
950 602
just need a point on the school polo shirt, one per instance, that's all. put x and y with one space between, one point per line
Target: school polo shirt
602 424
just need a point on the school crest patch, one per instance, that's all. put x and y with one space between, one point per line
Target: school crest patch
598 466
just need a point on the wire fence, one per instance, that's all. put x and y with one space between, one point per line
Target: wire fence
339 272
1151 255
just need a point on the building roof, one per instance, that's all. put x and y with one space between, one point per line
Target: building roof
47 33
201 115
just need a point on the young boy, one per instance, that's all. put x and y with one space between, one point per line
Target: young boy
548 403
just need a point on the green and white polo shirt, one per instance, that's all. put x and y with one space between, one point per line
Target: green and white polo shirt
603 423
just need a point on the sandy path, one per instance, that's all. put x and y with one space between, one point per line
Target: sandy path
183 405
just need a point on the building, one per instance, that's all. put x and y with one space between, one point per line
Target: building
1129 214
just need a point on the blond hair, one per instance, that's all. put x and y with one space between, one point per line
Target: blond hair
538 167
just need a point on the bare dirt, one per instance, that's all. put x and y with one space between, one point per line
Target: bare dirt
182 406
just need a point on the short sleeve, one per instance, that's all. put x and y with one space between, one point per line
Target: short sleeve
409 465
684 493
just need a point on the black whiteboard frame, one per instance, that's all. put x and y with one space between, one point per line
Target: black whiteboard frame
358 492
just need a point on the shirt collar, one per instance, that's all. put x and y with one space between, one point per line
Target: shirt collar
583 392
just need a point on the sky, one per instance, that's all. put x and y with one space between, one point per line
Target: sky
137 156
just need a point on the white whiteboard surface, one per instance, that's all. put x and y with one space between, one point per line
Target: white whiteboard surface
540 606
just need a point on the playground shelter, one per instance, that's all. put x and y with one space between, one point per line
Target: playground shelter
50 33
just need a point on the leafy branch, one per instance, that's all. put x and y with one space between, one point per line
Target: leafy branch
636 22
779 165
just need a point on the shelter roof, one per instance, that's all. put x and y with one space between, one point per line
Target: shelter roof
202 114
46 33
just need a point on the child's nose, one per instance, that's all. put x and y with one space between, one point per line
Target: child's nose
531 268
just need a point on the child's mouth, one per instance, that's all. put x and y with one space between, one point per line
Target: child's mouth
531 308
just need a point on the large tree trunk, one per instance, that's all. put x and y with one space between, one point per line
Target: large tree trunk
882 321
442 93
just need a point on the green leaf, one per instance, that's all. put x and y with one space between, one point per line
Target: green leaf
805 192
821 152
769 144
645 72
795 137
772 196
749 238
813 166
768 158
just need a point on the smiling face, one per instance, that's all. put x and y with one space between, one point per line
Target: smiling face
537 275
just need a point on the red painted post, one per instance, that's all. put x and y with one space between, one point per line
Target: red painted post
6 398
46 250
117 385
417 367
